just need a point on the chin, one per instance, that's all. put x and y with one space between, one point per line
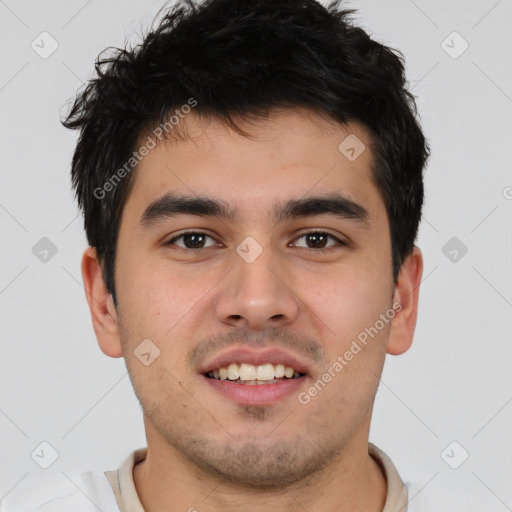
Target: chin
260 465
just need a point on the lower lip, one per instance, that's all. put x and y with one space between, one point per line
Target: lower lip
263 394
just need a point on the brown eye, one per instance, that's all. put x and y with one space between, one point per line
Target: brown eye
191 240
318 240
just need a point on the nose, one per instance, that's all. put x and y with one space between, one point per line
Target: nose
257 295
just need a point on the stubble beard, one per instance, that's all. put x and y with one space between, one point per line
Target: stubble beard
267 463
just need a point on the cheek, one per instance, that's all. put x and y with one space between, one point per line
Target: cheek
143 305
350 300
160 300
156 305
355 342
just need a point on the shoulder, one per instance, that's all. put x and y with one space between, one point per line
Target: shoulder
87 492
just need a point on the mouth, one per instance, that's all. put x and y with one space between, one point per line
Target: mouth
254 375
255 378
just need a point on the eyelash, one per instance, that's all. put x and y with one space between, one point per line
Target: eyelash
340 242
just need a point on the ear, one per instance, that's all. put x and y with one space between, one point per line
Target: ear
103 313
406 294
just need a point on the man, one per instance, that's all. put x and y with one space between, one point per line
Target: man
251 183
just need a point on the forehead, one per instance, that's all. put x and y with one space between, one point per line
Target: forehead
290 154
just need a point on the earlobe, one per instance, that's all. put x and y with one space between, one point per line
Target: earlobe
103 312
407 295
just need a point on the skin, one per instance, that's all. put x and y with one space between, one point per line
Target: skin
205 451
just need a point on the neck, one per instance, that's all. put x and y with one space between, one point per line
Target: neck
166 481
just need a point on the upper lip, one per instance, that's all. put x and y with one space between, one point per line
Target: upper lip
255 357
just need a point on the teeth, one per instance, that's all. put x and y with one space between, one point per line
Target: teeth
247 372
288 372
251 374
233 371
265 372
279 370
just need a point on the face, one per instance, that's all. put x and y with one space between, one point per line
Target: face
261 285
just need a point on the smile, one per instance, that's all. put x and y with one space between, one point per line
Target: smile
249 374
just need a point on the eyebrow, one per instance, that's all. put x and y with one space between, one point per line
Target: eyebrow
171 205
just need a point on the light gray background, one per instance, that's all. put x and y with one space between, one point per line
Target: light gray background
455 382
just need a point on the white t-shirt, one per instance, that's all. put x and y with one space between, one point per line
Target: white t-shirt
114 491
